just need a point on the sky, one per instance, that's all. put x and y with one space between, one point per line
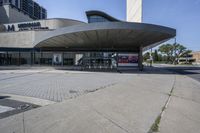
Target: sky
183 15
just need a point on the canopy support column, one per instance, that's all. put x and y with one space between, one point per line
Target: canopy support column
140 58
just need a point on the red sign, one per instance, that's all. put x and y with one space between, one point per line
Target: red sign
128 59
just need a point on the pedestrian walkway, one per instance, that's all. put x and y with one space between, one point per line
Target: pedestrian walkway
131 105
182 114
53 85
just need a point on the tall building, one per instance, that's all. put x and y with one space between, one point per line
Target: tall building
134 10
20 10
15 3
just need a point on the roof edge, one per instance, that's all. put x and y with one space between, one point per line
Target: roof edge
103 14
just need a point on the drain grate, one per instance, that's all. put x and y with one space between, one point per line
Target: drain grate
24 107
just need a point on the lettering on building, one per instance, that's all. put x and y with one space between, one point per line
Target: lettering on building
11 28
29 25
26 26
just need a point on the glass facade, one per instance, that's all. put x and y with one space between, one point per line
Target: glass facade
36 58
15 58
85 60
9 58
95 19
82 60
29 7
100 60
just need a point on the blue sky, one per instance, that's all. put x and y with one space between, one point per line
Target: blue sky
183 15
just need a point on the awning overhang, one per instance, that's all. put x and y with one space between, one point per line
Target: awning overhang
106 35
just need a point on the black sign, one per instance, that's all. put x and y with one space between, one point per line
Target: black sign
27 26
11 28
33 28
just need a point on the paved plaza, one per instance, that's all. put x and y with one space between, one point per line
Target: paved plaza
54 85
127 102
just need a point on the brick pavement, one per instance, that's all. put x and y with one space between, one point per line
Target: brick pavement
54 85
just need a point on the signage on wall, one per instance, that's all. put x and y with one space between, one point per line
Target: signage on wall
26 26
128 60
57 59
11 28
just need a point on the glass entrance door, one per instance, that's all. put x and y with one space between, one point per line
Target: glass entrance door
99 60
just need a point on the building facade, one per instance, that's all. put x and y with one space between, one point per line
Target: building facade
196 57
104 42
21 10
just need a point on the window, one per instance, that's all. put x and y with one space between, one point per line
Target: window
1 2
94 19
17 3
6 1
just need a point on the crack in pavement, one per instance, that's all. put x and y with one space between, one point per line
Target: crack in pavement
184 98
151 130
110 120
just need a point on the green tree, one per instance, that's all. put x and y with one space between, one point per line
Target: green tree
167 49
173 52
146 56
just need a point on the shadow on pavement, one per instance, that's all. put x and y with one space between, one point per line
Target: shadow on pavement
18 107
4 97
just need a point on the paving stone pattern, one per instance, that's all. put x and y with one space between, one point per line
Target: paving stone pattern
52 85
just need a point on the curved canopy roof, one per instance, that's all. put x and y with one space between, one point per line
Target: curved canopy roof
118 36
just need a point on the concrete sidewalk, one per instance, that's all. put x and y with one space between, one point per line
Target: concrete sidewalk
130 106
183 112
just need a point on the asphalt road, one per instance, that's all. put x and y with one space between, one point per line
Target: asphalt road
191 71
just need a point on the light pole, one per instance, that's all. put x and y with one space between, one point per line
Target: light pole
151 58
175 56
